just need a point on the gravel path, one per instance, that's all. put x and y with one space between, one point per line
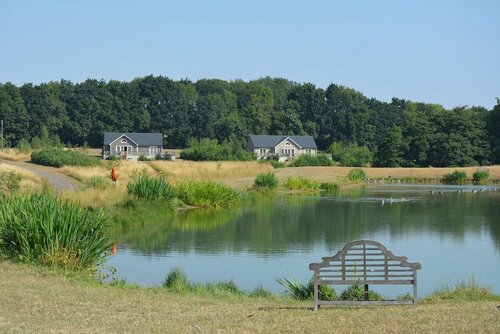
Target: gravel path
59 181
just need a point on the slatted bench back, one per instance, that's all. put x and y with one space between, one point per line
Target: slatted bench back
365 262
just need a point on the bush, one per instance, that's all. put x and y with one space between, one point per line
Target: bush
10 183
302 291
211 150
356 174
176 280
312 160
42 229
58 157
329 187
480 176
144 158
23 146
267 180
457 177
207 194
144 186
351 154
356 292
300 183
277 164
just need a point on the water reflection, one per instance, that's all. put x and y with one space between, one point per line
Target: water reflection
280 236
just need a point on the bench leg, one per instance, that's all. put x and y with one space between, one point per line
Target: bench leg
366 292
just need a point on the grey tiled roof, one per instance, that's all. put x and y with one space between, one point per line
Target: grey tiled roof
268 141
142 139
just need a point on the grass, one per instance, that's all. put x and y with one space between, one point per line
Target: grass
480 176
266 180
35 300
14 154
29 181
457 177
146 187
207 194
301 183
463 291
44 230
356 175
57 157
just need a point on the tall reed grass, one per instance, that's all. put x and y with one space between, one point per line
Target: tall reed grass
301 183
42 229
207 194
144 186
266 180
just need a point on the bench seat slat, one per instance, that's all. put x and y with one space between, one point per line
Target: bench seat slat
365 302
368 271
362 282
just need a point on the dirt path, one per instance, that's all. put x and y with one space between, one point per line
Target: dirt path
59 181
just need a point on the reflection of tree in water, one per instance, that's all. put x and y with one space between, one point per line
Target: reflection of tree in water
299 222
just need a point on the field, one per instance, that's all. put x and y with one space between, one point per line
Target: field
36 300
29 180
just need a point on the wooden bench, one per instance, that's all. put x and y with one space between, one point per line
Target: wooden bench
364 262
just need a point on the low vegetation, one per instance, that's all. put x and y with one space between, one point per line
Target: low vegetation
312 160
10 183
480 176
207 194
144 186
356 175
351 154
41 229
301 183
210 150
463 291
457 177
58 157
267 180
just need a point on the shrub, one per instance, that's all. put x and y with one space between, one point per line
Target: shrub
300 183
356 292
144 186
23 146
351 154
480 176
207 194
42 229
176 280
144 158
58 157
302 291
457 177
356 174
277 164
266 180
210 149
10 183
312 160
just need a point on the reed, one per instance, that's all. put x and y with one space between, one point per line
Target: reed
480 176
144 186
356 175
42 229
301 183
301 291
207 194
457 177
266 180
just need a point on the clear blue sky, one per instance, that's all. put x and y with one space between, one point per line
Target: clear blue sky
437 51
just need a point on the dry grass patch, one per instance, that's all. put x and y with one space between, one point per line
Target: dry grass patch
40 301
29 180
183 170
14 155
96 198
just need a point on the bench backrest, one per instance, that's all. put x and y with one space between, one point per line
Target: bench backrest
365 262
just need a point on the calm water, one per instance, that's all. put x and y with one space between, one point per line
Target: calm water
455 236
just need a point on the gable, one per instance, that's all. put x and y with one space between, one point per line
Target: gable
270 141
140 139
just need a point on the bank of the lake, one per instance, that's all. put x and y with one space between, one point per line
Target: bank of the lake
36 300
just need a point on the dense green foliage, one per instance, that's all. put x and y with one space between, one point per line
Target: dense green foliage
266 180
356 292
457 177
351 154
207 194
42 229
356 174
210 149
300 183
398 133
144 186
301 291
58 157
311 160
480 176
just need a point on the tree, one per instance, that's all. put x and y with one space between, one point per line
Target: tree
493 125
391 150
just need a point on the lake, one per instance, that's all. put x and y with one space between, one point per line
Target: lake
453 231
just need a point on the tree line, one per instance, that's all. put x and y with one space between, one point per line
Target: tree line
396 133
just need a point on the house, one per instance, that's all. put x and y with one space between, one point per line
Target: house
130 146
285 147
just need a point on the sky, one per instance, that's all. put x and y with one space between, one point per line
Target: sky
445 52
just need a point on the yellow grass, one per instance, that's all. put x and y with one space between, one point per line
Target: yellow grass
96 198
14 155
29 180
39 301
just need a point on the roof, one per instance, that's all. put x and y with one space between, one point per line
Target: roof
269 141
142 139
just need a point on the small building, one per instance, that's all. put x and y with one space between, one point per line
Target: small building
132 145
284 147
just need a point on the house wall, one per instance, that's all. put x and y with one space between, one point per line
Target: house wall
287 148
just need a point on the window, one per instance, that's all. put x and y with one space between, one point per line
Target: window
124 141
153 151
287 143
